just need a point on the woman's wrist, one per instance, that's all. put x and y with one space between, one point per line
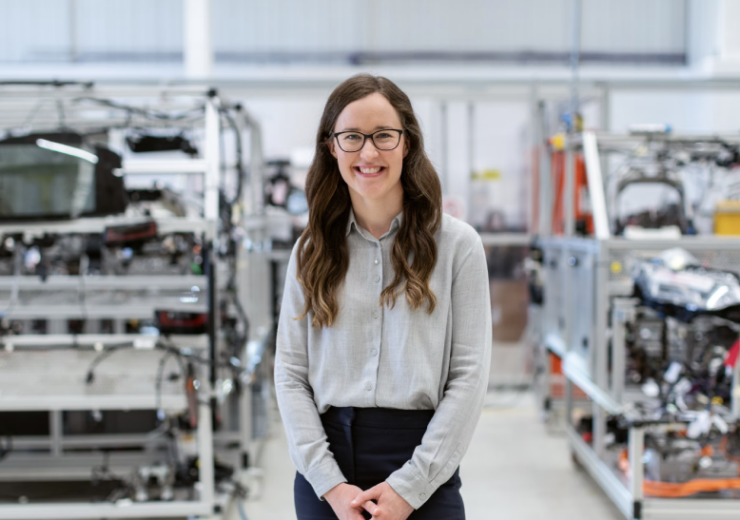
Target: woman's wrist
333 491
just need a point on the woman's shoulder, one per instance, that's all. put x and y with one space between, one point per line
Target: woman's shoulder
456 235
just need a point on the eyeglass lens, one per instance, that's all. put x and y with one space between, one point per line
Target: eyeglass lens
384 140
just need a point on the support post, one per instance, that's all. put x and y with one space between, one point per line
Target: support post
206 472
197 42
636 448
213 165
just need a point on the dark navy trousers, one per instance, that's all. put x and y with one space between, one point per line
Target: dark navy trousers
369 444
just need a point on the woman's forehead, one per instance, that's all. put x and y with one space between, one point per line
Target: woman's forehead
368 114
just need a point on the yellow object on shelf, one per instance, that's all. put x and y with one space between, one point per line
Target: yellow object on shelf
727 217
486 175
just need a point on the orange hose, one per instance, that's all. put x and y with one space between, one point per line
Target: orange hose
672 490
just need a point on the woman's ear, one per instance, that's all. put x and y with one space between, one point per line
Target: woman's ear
406 147
330 144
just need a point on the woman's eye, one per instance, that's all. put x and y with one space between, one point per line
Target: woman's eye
383 135
351 137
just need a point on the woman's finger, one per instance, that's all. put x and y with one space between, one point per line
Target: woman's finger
370 494
371 507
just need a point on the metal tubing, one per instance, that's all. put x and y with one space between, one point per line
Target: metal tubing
179 167
598 441
213 317
636 450
603 475
570 183
584 382
256 163
206 471
595 186
599 330
55 429
621 314
213 165
545 213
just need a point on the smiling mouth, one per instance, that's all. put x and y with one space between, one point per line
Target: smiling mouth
369 172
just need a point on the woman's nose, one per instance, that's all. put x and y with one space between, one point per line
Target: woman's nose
368 149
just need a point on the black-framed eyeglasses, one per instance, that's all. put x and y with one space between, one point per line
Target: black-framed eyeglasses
386 139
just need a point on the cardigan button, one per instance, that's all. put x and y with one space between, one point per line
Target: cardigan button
422 496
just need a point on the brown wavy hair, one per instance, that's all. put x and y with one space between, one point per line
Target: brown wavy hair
323 257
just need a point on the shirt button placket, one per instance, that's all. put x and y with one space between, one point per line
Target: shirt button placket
376 316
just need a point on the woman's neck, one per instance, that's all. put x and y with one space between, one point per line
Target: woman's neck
376 216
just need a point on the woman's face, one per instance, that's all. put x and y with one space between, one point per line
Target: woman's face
372 174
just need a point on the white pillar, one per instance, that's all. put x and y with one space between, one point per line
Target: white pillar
713 41
197 43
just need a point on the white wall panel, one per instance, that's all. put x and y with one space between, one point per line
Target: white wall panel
625 26
259 29
286 25
634 26
34 30
67 30
129 27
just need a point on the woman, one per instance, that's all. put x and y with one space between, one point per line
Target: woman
383 345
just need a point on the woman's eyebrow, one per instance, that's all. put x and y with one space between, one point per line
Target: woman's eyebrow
353 129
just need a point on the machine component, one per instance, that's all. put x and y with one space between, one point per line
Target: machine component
675 284
650 337
52 176
154 143
130 234
280 191
670 214
181 322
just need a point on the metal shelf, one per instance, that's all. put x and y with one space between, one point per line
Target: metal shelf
121 509
98 225
151 283
14 403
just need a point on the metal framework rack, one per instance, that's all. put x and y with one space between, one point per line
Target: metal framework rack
48 372
582 322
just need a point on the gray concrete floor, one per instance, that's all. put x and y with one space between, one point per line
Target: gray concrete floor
514 469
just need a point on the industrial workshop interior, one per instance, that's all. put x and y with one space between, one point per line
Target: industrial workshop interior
219 301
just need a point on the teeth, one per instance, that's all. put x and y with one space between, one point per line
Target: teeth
369 170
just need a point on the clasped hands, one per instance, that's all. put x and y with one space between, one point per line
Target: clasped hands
348 501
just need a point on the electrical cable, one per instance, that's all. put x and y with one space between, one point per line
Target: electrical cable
240 508
239 166
90 377
191 114
159 379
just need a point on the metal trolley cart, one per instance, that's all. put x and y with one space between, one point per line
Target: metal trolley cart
591 318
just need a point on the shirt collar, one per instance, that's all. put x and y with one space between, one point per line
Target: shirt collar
395 224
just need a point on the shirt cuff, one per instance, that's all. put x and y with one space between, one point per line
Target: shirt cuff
412 487
324 478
